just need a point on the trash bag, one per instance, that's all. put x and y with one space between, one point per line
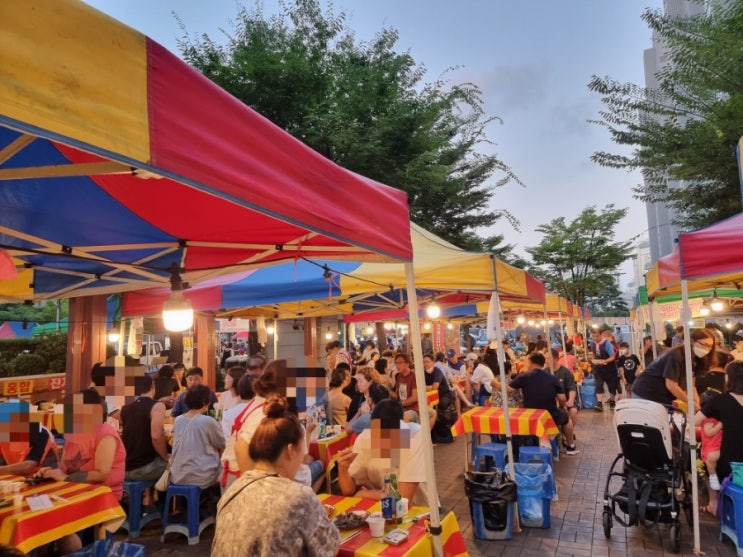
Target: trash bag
494 492
534 485
588 392
110 548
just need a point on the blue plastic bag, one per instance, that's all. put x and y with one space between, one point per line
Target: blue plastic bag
535 488
588 392
110 548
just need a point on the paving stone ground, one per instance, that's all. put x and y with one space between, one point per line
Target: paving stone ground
576 527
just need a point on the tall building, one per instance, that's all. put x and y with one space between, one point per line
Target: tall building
661 230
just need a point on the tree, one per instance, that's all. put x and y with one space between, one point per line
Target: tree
609 302
578 259
688 129
366 107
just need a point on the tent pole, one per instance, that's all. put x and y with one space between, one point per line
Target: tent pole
653 333
495 305
420 380
690 412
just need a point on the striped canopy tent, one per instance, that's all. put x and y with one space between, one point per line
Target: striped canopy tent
118 161
361 291
708 258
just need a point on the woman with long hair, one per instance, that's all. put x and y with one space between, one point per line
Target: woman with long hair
230 397
287 518
664 380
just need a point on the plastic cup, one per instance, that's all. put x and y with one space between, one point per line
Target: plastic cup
17 499
338 429
402 507
376 525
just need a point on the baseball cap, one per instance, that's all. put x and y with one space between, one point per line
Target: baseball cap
451 353
471 356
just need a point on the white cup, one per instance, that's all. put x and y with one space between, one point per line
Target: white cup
17 499
376 525
338 429
402 507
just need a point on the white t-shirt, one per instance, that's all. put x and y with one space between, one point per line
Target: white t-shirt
482 375
368 472
228 418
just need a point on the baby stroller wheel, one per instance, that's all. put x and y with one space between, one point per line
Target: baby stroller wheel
688 512
676 537
607 521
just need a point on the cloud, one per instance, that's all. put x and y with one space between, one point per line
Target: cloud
509 87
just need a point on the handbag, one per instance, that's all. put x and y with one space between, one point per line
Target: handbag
164 480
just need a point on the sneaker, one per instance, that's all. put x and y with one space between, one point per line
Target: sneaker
612 404
599 407
572 450
714 482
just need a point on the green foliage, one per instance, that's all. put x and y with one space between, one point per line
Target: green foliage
609 302
365 106
51 350
28 364
578 259
46 313
688 129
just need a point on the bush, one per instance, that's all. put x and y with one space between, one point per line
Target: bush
28 364
51 348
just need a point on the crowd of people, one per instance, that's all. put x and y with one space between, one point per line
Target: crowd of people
258 451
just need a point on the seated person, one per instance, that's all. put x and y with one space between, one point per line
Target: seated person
194 376
93 452
24 445
541 389
143 434
166 386
362 421
361 469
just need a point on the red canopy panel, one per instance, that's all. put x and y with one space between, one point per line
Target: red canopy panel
713 250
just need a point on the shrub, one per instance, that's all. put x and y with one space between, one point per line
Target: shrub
28 364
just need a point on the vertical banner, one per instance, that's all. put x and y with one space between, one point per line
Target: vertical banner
439 337
493 317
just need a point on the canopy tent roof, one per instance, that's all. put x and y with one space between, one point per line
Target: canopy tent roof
706 258
15 329
368 291
118 160
554 305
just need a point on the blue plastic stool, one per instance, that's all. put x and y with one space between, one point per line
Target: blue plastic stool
731 498
530 454
495 450
135 519
194 526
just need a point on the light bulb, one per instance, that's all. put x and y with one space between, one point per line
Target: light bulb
177 312
113 337
704 310
433 311
530 322
449 326
427 326
270 330
520 320
716 304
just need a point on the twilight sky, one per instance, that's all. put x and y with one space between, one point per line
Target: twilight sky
531 58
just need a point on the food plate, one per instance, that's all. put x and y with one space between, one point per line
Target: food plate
330 509
350 519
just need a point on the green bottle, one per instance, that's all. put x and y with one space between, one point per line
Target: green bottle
395 493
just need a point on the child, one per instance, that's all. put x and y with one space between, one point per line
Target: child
628 365
711 441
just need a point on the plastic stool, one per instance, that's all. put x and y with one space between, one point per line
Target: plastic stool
135 519
495 450
732 515
530 454
194 526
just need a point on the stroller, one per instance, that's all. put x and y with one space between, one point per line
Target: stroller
655 478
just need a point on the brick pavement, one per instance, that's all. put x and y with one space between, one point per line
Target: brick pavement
576 527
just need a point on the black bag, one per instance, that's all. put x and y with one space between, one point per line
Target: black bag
494 491
446 416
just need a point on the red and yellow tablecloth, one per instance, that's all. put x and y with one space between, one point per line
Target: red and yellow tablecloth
359 543
49 419
432 397
324 449
524 421
86 505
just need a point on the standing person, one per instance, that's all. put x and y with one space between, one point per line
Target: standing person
481 378
426 343
566 380
711 439
728 409
143 435
194 377
335 354
629 366
542 390
287 518
678 338
664 380
405 387
604 368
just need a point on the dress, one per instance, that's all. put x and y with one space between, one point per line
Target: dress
197 442
286 518
710 444
368 471
79 456
729 411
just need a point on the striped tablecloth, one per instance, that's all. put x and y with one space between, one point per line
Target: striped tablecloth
524 421
359 543
324 449
85 505
432 397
